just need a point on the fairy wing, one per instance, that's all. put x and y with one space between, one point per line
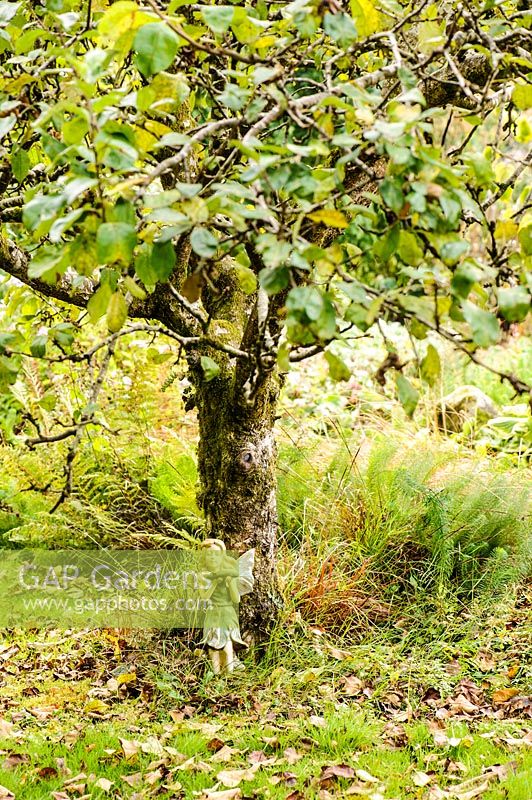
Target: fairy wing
245 568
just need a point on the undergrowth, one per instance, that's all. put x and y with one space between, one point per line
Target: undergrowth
372 529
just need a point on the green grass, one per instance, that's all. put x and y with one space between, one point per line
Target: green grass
299 750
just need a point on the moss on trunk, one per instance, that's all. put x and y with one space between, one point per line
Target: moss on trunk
236 457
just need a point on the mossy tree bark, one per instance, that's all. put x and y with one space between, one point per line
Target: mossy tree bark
236 458
236 450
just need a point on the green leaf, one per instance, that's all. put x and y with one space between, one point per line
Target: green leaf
155 46
133 287
525 235
48 401
163 259
274 280
430 36
341 28
234 97
464 278
409 249
522 96
417 329
38 345
306 299
116 312
514 303
484 324
392 194
115 241
6 124
262 74
41 210
386 246
210 368
203 242
20 164
165 93
155 262
123 211
218 18
63 334
7 12
452 250
407 394
431 366
246 278
97 305
48 263
338 369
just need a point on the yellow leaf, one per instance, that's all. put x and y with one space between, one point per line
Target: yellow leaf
366 16
505 229
330 217
126 677
503 695
96 706
121 18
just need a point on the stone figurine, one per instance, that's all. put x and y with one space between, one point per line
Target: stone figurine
230 579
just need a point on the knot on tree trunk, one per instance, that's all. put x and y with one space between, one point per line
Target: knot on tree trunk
257 455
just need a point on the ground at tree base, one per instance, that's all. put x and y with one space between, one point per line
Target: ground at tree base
94 714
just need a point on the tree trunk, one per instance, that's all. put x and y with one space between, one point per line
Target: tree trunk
236 460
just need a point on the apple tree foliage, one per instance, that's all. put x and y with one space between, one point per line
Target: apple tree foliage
257 180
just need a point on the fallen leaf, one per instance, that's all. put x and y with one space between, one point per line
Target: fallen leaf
291 755
134 780
462 705
129 747
517 741
152 746
153 777
224 794
104 783
420 778
6 794
260 757
126 677
76 779
318 722
336 771
206 728
288 778
226 753
339 655
45 773
352 685
14 760
214 745
96 706
7 730
503 695
485 661
233 777
366 776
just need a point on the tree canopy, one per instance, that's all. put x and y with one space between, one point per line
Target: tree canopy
259 180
